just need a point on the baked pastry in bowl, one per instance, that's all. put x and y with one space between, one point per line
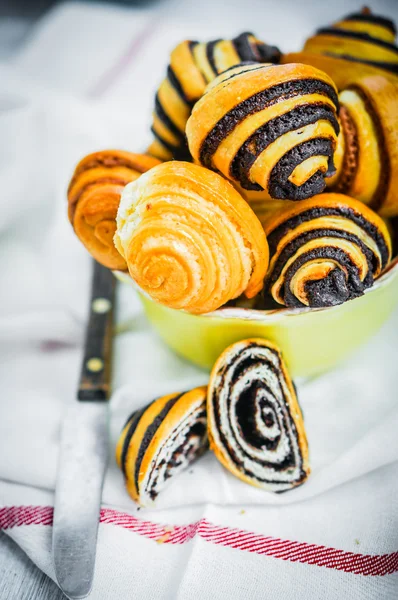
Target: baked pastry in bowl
360 44
313 340
94 195
366 156
269 128
192 66
189 239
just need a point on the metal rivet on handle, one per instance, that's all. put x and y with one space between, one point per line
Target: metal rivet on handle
94 365
101 305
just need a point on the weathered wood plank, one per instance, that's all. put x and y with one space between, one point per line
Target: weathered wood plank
20 579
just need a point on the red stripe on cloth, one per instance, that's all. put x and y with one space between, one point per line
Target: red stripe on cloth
239 539
109 77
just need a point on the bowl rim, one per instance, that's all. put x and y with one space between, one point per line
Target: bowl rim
253 314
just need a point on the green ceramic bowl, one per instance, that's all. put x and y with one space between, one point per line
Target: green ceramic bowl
312 340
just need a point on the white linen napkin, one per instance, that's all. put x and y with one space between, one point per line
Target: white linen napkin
316 537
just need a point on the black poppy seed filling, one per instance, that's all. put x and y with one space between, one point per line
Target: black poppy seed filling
175 83
296 118
354 286
164 142
192 44
244 48
356 35
256 103
133 419
269 53
281 466
371 18
329 291
240 71
150 432
199 430
279 185
255 51
304 238
246 418
386 66
245 63
289 427
179 152
210 46
275 236
162 115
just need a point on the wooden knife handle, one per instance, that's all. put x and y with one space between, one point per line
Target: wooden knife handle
96 367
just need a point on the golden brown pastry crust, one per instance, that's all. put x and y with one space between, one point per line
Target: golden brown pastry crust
342 71
268 128
324 251
358 45
190 240
94 196
192 66
369 136
255 425
161 440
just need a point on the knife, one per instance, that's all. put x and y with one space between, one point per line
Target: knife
84 449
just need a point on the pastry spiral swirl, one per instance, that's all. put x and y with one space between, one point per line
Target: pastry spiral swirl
255 424
189 239
357 45
192 66
268 127
324 251
161 440
367 149
94 196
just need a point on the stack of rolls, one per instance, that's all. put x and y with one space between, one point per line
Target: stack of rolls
324 251
268 128
360 44
265 139
366 158
93 199
192 66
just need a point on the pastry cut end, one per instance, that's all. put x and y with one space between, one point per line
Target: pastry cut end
255 424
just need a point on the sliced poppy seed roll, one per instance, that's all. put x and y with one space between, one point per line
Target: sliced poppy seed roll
192 66
94 196
325 251
366 158
268 128
358 45
161 440
255 423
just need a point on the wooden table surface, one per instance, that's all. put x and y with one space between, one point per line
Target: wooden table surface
20 579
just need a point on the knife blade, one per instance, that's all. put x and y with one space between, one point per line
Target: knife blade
84 449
